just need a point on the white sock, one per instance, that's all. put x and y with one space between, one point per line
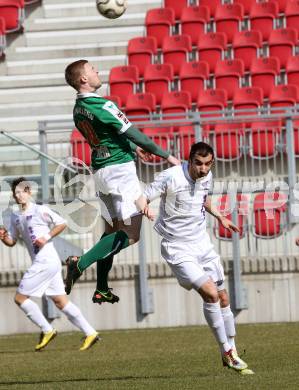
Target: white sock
33 312
229 323
212 313
75 316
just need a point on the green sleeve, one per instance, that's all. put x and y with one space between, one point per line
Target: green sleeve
140 139
132 146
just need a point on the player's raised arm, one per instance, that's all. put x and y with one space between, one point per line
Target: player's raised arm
226 223
143 141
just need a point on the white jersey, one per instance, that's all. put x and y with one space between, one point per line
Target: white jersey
182 212
35 222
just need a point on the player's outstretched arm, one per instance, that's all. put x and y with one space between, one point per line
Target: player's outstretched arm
146 144
226 223
142 205
41 241
5 238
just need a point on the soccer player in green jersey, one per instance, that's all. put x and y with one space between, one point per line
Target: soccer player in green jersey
114 142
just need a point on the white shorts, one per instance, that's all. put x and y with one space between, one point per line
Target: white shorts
42 278
194 262
118 188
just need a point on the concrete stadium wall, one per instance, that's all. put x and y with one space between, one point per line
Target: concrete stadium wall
273 293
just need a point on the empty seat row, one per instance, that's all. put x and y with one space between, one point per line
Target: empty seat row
250 7
158 78
160 22
269 215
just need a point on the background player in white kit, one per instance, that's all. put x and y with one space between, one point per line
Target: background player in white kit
37 225
186 246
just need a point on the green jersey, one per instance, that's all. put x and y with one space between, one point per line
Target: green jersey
103 126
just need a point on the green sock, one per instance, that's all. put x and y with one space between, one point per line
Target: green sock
107 246
103 268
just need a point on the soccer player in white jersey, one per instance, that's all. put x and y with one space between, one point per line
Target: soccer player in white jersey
186 245
36 225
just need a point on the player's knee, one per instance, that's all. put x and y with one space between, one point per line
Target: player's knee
224 298
19 299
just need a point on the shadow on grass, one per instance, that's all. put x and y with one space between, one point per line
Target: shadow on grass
120 378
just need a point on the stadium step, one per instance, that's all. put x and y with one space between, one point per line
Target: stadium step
83 22
59 51
39 80
87 8
58 64
81 36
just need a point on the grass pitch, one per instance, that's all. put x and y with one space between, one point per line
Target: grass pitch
164 358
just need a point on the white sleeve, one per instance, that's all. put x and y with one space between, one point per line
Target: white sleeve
50 217
158 186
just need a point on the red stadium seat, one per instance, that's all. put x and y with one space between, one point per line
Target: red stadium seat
282 4
209 103
246 45
262 16
292 14
193 22
250 98
212 100
80 148
228 18
2 36
176 102
157 79
228 141
225 209
282 43
141 104
268 209
141 52
122 81
212 5
158 23
162 137
177 7
211 47
263 139
283 96
114 99
228 75
246 5
176 49
185 139
296 137
13 13
192 77
264 72
292 70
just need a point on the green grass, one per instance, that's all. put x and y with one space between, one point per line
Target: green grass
164 358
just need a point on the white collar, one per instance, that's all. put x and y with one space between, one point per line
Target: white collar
87 94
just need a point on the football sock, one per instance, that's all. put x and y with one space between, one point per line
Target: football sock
229 323
75 316
212 313
103 268
108 246
33 312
